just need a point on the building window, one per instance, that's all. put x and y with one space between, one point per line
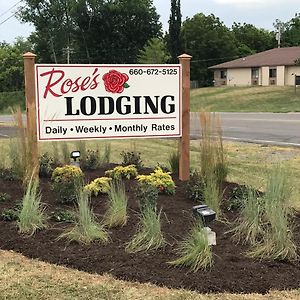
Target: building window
254 73
272 73
223 74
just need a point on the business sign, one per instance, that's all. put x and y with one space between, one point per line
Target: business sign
107 101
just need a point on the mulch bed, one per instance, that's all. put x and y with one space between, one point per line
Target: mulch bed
232 270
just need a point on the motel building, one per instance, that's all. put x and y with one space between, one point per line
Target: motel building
272 67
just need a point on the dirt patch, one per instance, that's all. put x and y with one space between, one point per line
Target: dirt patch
232 270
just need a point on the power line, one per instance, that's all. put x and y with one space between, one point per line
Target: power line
10 8
14 14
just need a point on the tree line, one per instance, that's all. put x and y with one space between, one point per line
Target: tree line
129 31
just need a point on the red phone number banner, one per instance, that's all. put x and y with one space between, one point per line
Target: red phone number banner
108 101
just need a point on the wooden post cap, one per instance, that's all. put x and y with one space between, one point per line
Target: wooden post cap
185 56
29 55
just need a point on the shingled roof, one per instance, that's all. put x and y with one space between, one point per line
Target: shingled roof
273 57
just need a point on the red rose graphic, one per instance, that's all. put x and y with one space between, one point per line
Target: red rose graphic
115 82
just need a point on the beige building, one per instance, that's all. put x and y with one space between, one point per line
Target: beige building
272 67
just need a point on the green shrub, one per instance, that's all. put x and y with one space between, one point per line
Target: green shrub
148 236
98 185
65 182
120 172
194 187
116 213
194 251
86 228
132 158
8 174
10 214
65 151
93 160
147 195
4 197
160 179
107 153
46 165
31 217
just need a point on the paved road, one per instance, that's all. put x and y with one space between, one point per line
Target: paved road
261 128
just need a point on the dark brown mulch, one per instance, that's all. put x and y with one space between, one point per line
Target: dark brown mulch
232 270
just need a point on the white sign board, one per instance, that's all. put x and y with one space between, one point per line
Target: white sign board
107 101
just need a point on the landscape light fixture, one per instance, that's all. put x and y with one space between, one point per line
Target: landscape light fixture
75 155
205 213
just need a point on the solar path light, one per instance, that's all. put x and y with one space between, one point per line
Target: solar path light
75 155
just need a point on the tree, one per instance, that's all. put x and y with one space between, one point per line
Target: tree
253 38
210 42
291 33
11 67
91 31
173 38
154 52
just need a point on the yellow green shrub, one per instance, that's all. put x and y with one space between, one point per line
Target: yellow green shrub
160 179
119 172
98 186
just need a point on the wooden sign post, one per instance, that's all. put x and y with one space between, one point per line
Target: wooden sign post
184 141
29 60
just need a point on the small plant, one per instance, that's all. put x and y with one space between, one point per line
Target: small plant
4 197
116 213
195 186
31 217
194 251
173 160
65 182
46 165
8 174
98 185
162 180
10 214
132 158
67 216
86 229
249 226
148 236
93 160
147 195
120 172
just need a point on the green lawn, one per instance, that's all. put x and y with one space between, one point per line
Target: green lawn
246 99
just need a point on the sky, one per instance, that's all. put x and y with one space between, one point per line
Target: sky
261 13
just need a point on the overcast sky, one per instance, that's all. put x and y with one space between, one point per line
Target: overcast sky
261 13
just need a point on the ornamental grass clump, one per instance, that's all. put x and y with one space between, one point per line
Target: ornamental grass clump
31 216
212 154
120 172
277 241
86 228
249 226
66 181
149 235
160 179
116 213
194 251
98 186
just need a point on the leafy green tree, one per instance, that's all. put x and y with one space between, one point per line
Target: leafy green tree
210 42
91 31
173 37
154 52
252 39
11 67
291 33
